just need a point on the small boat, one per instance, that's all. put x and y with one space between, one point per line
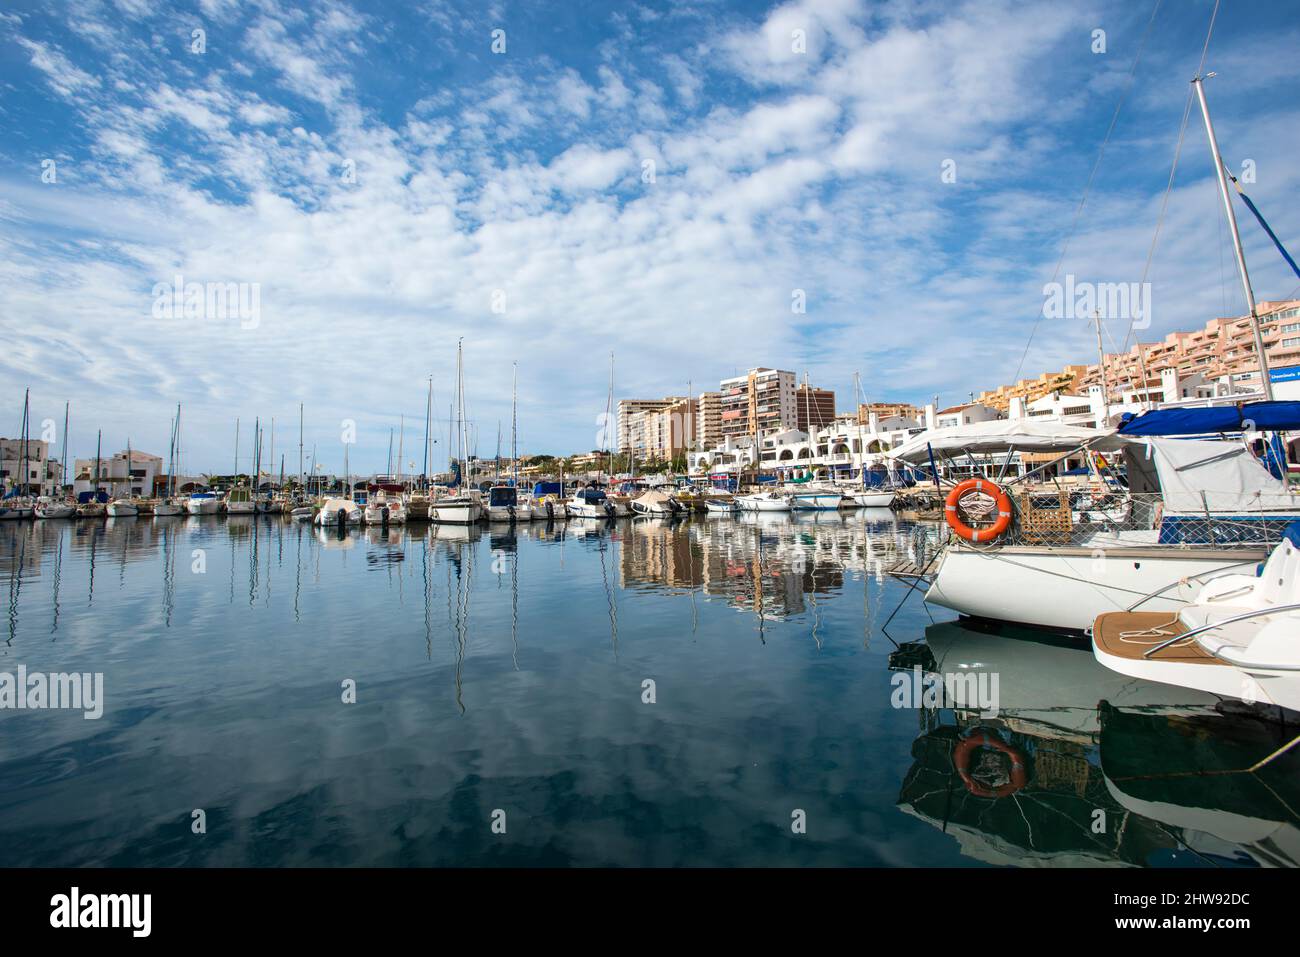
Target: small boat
720 506
417 507
548 508
302 511
504 505
269 505
764 502
463 509
816 499
123 508
17 508
383 509
339 511
239 501
203 503
591 502
167 507
47 507
1239 637
653 502
872 498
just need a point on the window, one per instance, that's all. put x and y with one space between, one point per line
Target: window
1294 341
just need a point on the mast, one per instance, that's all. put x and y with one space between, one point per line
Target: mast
609 412
390 451
171 457
862 445
63 456
428 415
27 443
272 444
1101 371
514 426
1266 385
176 454
235 478
301 490
401 438
99 438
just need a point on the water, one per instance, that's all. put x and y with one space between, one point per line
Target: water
501 678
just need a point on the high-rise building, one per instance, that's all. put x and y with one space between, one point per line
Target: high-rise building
631 422
814 408
759 402
708 425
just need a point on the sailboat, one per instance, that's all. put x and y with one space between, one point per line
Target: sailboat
49 506
464 507
125 506
170 504
301 510
239 500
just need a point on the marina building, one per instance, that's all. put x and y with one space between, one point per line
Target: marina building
125 473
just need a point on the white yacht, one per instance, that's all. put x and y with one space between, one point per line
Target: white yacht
465 508
814 498
1238 638
167 507
763 502
339 511
383 508
591 502
872 498
203 503
505 505
123 508
47 507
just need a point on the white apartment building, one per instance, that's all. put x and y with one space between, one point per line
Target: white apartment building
123 473
42 472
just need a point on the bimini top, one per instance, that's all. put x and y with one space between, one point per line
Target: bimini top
1242 417
1003 434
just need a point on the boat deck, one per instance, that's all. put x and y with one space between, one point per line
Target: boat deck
1130 634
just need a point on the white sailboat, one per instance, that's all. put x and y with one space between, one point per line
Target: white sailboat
763 502
171 505
464 507
124 506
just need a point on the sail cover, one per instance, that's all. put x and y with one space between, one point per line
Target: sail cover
1204 475
1259 416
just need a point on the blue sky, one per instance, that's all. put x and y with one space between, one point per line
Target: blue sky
391 184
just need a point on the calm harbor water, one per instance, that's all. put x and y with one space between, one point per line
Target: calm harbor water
504 677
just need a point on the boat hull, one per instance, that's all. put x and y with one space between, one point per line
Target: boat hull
1065 589
203 506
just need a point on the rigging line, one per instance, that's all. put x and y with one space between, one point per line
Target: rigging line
1173 169
1074 222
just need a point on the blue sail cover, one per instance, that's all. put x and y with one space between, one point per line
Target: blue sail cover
1261 416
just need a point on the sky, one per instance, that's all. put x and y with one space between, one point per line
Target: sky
550 183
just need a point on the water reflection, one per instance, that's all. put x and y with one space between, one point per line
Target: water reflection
1115 771
505 667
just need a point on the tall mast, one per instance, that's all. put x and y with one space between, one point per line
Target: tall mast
171 457
300 486
272 444
27 443
401 439
63 456
176 455
235 478
1101 371
428 415
1198 84
609 412
99 439
390 451
514 426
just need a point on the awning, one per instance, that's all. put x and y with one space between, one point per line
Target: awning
1002 434
1245 416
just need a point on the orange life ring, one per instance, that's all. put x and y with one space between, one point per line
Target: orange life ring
987 739
978 534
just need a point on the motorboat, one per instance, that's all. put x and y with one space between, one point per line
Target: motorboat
465 508
168 507
1238 638
47 507
384 509
203 503
338 511
123 508
239 501
302 511
812 498
504 505
764 502
720 506
872 498
591 502
657 503
548 508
